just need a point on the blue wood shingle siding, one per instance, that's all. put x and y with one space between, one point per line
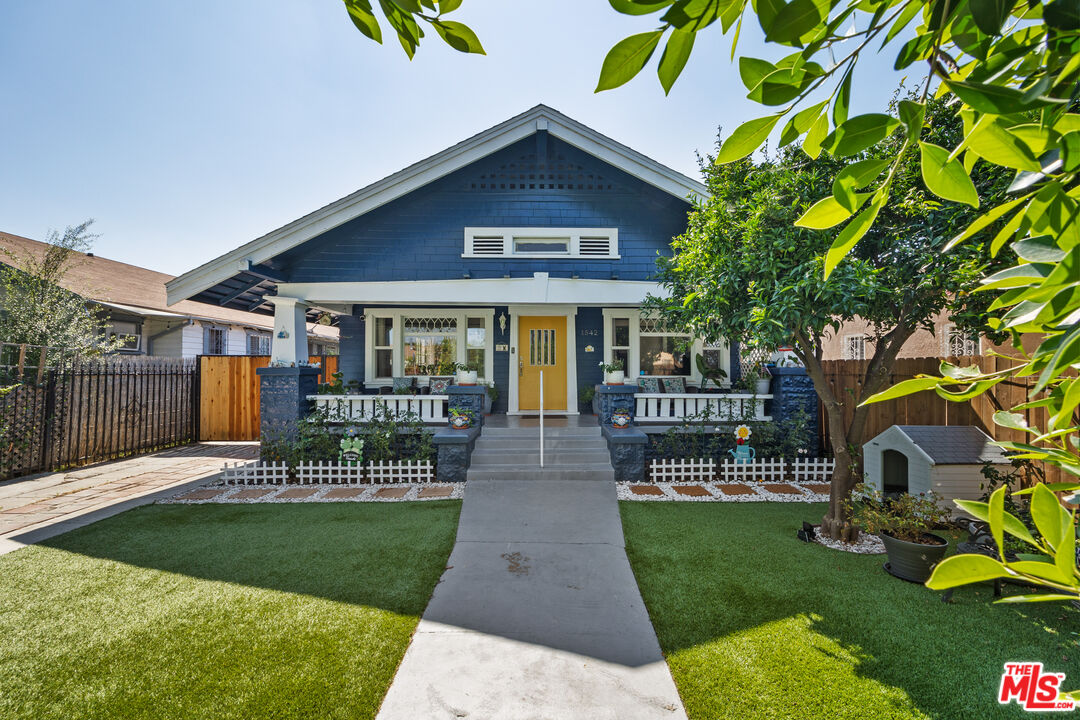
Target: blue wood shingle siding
421 236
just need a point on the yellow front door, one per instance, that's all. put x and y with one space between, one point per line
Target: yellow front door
541 347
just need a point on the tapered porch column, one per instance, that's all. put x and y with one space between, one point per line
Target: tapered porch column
289 345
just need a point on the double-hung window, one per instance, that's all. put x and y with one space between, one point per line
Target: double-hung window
647 348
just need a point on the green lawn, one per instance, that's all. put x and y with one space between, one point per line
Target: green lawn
219 611
756 624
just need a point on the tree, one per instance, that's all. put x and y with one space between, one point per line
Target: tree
37 310
404 18
745 270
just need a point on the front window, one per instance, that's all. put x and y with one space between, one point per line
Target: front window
214 342
258 344
384 347
429 345
662 352
128 333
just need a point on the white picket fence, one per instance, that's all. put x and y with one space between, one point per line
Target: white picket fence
255 473
361 408
761 469
335 473
813 468
682 469
674 407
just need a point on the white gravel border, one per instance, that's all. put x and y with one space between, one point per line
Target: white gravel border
457 492
865 545
760 493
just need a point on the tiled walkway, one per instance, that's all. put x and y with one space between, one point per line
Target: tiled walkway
40 506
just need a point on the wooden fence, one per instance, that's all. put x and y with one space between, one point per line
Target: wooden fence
229 394
83 411
926 408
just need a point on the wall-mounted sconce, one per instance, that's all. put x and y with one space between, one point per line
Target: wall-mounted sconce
502 323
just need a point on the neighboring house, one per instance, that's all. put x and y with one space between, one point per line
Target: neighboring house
855 341
526 248
133 300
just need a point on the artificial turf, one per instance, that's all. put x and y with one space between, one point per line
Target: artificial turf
219 611
757 624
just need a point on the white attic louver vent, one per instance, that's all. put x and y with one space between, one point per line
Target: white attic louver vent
488 245
595 246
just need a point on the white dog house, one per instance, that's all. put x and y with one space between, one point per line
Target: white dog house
947 460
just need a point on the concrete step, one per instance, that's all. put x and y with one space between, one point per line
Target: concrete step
592 431
518 458
517 472
532 443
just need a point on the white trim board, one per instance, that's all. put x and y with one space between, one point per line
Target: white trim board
538 289
424 172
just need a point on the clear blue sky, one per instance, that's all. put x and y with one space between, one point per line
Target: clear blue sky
188 128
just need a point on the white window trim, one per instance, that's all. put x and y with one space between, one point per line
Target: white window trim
845 353
509 234
397 353
224 329
633 359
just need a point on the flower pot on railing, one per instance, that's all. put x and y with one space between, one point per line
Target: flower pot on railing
460 420
615 377
763 385
466 377
620 419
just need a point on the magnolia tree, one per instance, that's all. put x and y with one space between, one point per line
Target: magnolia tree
745 270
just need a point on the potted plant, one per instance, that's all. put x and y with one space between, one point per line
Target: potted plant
466 374
759 373
613 372
904 524
620 419
708 373
461 419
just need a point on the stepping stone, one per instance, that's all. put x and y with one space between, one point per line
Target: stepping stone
781 489
344 493
693 491
736 489
436 492
820 488
646 490
201 494
252 494
298 493
391 492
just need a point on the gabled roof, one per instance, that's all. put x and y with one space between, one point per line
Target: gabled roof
133 289
541 117
954 444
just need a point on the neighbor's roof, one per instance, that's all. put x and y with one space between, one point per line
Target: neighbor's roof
242 266
136 290
954 444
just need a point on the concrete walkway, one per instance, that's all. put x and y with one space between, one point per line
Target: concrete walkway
537 615
37 507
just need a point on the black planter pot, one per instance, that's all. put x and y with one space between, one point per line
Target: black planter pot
913 561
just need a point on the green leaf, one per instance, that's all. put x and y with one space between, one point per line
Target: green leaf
851 234
1011 420
626 59
459 36
843 100
912 114
1011 523
753 70
853 177
1065 557
903 388
364 20
964 570
996 509
1051 519
814 137
1049 597
986 98
991 216
1062 15
990 15
448 6
794 20
1040 569
992 141
783 85
746 139
676 53
409 6
859 133
627 7
946 178
800 123
826 213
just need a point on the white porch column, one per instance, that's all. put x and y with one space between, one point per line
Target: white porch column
289 344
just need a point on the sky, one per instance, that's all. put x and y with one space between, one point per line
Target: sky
187 129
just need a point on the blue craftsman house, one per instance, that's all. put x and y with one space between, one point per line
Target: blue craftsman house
526 248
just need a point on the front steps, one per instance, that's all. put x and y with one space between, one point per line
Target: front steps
513 453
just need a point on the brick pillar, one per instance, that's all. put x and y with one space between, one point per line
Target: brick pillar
468 397
615 397
792 389
283 398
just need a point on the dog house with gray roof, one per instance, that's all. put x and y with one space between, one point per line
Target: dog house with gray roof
917 459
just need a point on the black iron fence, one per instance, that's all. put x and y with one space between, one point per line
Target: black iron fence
62 411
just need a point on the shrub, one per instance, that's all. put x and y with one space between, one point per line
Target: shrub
905 517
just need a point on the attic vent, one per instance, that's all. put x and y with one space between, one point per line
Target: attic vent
486 245
541 242
595 246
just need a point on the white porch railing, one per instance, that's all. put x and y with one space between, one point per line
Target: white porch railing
361 408
675 407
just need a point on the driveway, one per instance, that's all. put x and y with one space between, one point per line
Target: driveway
37 507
